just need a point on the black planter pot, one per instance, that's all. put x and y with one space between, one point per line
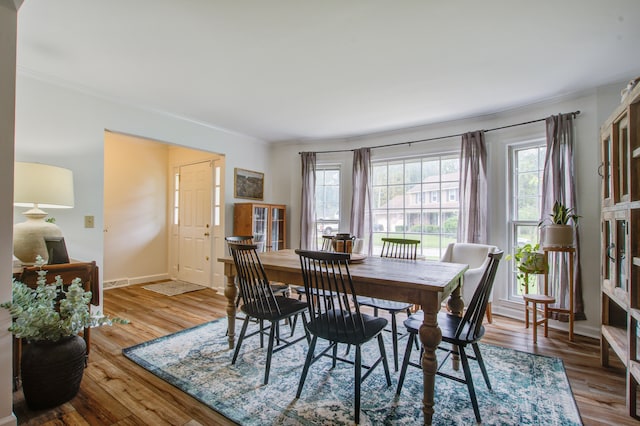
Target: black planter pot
52 371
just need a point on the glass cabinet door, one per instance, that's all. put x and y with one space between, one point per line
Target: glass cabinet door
277 228
260 226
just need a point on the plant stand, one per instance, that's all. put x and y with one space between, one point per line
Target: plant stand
563 251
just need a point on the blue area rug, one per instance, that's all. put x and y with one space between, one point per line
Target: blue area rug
527 389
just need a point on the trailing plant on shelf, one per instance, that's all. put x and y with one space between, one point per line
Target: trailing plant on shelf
529 260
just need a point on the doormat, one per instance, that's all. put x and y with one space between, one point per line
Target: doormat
172 288
528 389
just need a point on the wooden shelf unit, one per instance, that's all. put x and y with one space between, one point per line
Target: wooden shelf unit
267 223
620 241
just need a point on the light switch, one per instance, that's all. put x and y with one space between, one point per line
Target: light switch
88 222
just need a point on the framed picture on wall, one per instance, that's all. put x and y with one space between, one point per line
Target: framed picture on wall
248 184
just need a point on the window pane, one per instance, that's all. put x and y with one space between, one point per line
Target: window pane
327 202
412 172
526 164
413 199
379 174
396 174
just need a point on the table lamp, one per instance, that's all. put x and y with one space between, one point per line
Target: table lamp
38 185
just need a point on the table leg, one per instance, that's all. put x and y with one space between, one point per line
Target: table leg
430 336
231 292
455 305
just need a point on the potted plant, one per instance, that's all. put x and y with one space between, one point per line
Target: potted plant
49 317
560 232
529 261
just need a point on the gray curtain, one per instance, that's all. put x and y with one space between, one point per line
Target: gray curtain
308 208
558 184
472 222
361 197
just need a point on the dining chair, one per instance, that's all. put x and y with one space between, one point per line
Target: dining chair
327 241
260 303
474 255
277 288
459 332
327 245
339 320
396 248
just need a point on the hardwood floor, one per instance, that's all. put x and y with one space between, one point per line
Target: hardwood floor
115 391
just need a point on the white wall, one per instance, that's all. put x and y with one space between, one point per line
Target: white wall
61 126
594 105
136 186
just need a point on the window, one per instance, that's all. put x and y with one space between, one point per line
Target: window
327 201
409 201
526 164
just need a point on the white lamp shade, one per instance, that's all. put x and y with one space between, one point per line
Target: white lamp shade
42 185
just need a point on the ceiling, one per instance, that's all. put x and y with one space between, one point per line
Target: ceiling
283 70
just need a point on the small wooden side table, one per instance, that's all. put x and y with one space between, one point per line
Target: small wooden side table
569 251
535 300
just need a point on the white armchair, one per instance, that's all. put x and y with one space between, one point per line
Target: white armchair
476 256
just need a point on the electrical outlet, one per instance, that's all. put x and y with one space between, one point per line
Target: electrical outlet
88 222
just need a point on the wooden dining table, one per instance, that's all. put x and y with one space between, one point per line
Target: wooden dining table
421 282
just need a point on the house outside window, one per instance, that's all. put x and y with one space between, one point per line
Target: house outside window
407 201
526 164
327 201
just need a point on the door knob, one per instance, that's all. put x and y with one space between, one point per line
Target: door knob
206 234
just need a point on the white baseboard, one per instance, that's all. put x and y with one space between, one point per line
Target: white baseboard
123 282
518 314
9 420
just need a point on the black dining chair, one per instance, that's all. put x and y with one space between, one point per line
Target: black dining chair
459 332
327 245
396 248
260 303
338 320
277 288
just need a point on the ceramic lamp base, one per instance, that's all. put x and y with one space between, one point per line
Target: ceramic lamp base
28 237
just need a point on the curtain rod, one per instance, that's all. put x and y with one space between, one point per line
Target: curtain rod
441 137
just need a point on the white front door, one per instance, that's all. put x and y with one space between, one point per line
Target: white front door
194 228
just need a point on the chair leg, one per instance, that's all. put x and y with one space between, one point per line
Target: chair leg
469 380
385 363
272 333
489 313
293 323
405 362
245 324
476 350
261 334
307 364
394 338
358 381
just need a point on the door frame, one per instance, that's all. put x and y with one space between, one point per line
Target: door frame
216 278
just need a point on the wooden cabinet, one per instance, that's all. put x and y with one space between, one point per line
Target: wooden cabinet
620 240
266 222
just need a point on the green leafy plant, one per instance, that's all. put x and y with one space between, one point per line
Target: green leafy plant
529 260
561 215
50 312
